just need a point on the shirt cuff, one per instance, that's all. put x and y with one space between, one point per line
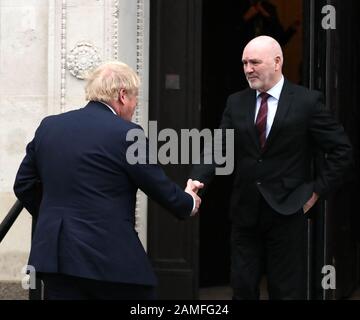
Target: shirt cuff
193 208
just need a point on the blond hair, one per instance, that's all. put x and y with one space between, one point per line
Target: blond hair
105 82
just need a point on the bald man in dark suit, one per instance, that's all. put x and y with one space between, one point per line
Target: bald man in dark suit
278 125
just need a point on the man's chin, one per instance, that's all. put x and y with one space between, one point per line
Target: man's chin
254 85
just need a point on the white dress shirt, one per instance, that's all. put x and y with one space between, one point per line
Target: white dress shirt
273 101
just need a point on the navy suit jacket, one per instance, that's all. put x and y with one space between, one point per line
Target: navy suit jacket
76 165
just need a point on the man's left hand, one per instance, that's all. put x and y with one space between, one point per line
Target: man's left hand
308 205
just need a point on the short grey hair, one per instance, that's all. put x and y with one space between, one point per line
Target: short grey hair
105 82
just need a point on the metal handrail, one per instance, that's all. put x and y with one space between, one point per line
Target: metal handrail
6 224
10 219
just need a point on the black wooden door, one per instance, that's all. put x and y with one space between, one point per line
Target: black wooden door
174 93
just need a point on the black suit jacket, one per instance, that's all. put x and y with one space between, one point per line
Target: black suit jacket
86 218
281 172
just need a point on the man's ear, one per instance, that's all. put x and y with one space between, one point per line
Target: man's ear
277 63
122 95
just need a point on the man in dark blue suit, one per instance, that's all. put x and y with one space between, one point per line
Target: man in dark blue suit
76 179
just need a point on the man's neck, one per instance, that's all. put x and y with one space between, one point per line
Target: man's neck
275 83
113 106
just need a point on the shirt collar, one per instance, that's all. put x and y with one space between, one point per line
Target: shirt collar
112 110
275 91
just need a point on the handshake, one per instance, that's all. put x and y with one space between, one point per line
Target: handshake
192 188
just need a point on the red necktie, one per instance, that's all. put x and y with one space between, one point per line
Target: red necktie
262 118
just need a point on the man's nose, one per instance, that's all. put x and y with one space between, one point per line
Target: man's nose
248 69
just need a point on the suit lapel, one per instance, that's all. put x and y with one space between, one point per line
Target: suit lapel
283 107
251 106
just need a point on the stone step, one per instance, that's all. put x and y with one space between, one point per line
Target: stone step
12 290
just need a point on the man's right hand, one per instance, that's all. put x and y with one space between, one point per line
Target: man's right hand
194 185
192 188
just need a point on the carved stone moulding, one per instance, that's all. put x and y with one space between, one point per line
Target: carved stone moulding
83 58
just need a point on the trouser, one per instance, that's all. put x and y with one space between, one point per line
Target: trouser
65 287
276 246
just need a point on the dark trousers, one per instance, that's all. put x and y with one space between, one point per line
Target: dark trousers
276 246
65 287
